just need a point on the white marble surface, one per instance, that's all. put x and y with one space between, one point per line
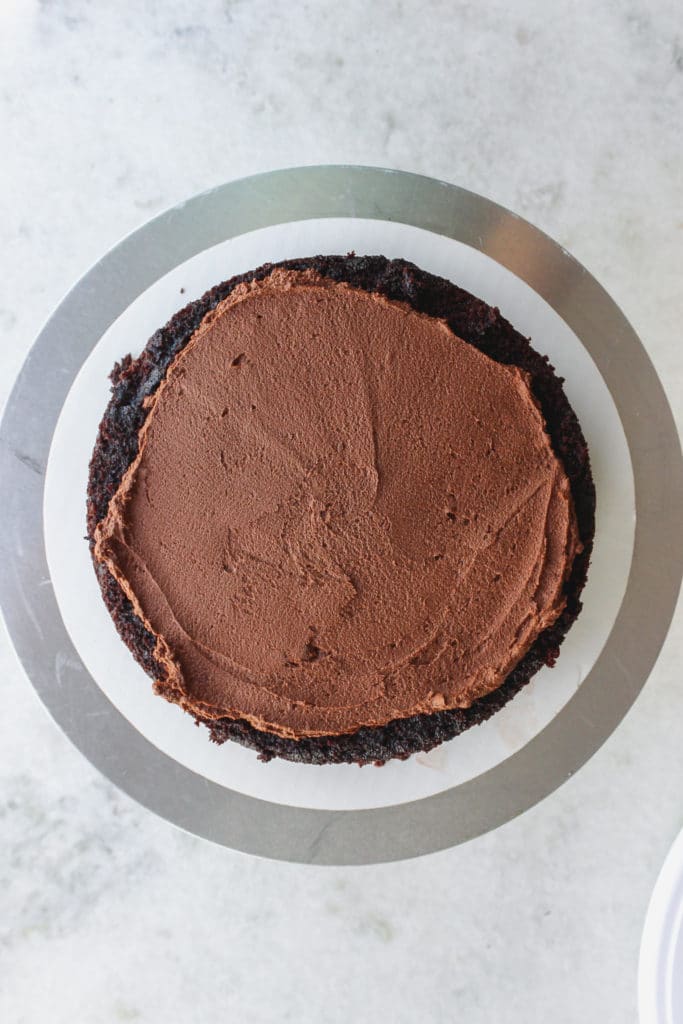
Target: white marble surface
109 113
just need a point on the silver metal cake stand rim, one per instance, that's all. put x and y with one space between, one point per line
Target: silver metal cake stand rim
275 830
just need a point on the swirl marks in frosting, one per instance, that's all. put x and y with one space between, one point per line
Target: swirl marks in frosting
340 513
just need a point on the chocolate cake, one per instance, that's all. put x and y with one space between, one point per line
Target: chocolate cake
340 510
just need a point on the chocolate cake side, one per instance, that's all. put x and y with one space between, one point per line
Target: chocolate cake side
133 381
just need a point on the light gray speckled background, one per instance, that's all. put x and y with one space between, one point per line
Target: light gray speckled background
109 114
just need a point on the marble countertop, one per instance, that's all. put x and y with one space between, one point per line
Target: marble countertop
112 112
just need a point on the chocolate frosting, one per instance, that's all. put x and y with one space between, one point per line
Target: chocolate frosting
340 514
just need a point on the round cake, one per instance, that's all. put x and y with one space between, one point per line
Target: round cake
340 510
